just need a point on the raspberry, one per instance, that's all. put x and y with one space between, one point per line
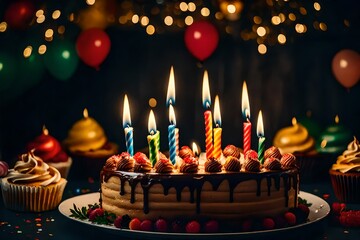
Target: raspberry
161 225
290 218
177 226
134 224
350 218
117 222
268 223
247 225
193 227
337 208
98 212
211 226
146 225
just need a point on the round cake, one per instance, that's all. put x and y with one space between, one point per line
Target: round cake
229 189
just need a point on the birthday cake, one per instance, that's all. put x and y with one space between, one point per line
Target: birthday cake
230 189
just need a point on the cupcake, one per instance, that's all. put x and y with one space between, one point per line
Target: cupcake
311 125
50 151
89 147
32 185
345 174
296 139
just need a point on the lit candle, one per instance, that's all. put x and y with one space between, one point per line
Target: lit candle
171 135
195 149
206 99
245 107
170 100
260 134
217 129
127 127
153 138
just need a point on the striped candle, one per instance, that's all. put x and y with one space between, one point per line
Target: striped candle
153 139
177 141
171 135
245 107
217 129
260 134
127 127
206 99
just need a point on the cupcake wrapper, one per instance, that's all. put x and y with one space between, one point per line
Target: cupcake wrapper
62 167
32 198
346 186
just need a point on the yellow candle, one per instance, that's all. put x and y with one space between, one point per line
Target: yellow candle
217 129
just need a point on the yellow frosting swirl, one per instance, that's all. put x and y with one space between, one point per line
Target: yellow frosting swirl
85 135
32 169
349 161
294 139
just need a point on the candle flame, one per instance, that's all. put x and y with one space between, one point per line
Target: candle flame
245 106
337 119
152 123
206 98
126 113
293 121
217 113
45 130
260 125
195 149
172 118
85 113
170 96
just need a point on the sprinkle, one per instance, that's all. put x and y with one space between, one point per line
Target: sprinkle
50 234
91 180
52 220
28 221
38 224
17 227
40 229
346 231
38 219
19 231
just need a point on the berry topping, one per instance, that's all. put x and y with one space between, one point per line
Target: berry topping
252 165
290 218
140 158
288 161
161 225
193 227
135 224
98 212
268 223
251 154
211 226
146 225
272 163
118 221
272 152
231 150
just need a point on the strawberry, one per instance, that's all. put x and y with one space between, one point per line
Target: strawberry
117 222
247 225
290 218
350 218
193 227
211 226
146 225
134 224
305 209
337 208
268 223
161 225
98 212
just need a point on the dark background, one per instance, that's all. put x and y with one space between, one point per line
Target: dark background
287 81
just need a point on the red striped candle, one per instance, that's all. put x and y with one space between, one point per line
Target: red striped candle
206 100
245 107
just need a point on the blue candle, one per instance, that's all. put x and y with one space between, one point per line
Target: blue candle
171 135
127 127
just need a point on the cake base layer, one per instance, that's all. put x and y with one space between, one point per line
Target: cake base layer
225 196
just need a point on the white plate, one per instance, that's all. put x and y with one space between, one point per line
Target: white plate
318 210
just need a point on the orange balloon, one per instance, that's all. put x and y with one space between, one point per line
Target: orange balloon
346 67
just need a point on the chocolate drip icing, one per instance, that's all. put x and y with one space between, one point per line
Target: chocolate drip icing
196 181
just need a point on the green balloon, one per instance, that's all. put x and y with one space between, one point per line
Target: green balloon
8 71
61 59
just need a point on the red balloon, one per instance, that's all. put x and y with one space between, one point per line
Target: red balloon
346 67
93 46
19 14
201 39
